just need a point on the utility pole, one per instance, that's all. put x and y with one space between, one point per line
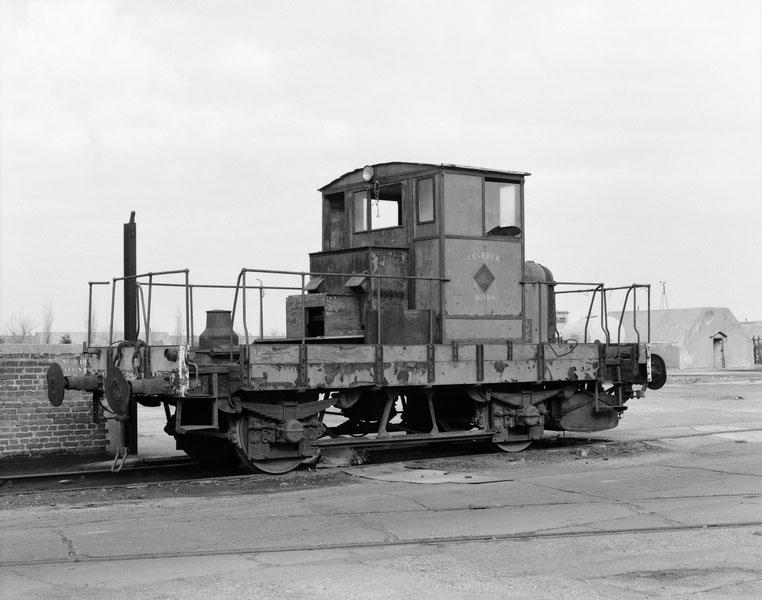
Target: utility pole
130 432
663 301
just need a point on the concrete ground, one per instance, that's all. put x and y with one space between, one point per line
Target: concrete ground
677 517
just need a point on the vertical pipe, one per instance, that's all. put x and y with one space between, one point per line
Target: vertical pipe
130 431
130 283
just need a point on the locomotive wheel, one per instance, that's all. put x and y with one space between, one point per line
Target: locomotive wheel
277 466
271 466
512 446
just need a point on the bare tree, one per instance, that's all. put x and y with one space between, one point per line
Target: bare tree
48 315
19 329
179 330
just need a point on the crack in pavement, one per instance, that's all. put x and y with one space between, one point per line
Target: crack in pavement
707 469
727 585
30 577
70 549
378 528
558 489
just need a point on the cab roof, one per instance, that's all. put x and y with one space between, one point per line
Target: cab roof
393 170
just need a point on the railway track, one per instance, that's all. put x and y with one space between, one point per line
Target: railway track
416 541
186 470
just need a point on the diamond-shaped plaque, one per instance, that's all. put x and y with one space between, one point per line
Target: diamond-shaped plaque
484 278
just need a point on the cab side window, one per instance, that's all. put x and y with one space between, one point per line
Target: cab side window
502 208
424 196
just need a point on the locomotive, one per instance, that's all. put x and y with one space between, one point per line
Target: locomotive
419 321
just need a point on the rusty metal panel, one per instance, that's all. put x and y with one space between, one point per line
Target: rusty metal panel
561 364
451 372
521 367
346 366
274 366
405 365
341 366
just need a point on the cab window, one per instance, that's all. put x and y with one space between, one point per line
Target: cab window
378 208
360 201
502 208
424 196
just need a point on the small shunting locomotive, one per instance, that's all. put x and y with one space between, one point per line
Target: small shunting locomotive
419 321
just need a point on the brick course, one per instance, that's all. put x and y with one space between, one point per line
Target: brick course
29 425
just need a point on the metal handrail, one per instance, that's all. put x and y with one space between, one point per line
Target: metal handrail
147 311
600 287
241 284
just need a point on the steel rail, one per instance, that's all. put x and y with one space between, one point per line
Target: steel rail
417 541
352 442
180 461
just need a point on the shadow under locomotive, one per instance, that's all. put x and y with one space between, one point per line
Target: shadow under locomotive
419 321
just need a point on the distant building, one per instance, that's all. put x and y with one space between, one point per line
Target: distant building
706 337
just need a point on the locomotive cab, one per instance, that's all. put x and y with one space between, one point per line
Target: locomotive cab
443 242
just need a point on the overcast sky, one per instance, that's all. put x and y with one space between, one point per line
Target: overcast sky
216 122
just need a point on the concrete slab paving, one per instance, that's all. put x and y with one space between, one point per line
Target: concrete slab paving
626 526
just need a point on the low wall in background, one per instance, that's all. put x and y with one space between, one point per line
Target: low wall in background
29 425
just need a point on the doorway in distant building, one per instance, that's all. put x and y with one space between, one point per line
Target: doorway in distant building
718 350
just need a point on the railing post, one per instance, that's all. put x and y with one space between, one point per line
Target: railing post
192 334
111 322
589 312
261 311
649 315
89 311
187 308
378 308
431 313
304 316
605 316
243 311
148 312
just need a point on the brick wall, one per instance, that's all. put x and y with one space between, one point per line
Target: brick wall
29 425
